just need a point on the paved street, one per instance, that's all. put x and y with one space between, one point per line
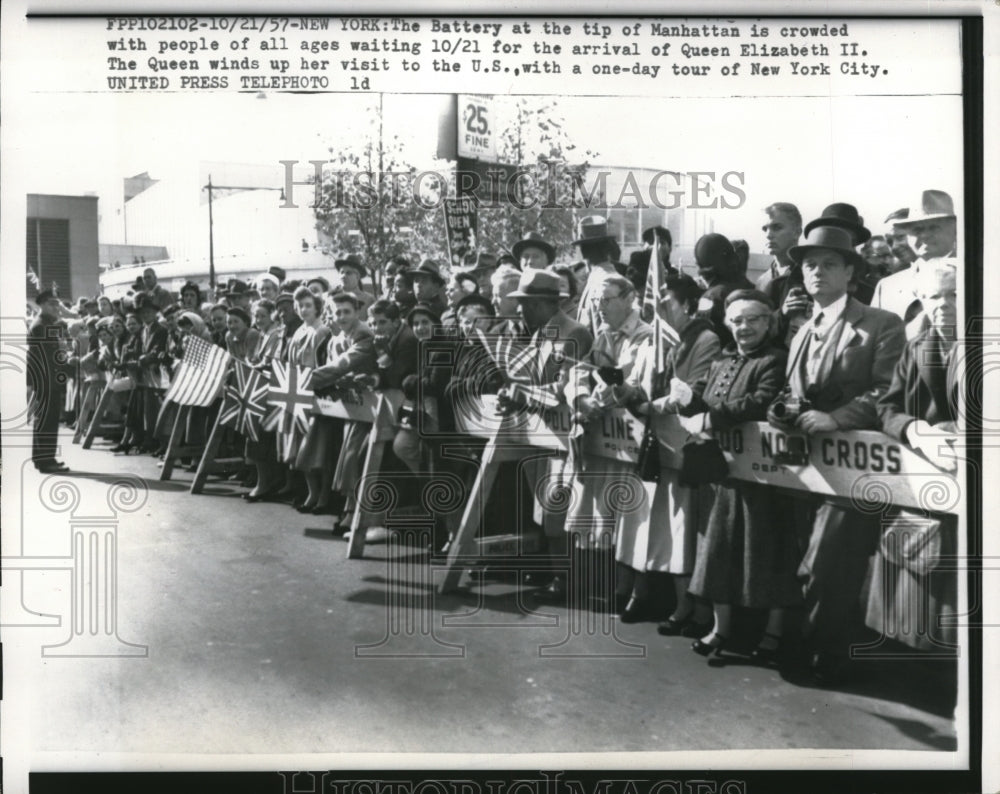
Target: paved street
263 638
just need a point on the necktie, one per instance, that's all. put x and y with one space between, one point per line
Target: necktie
815 350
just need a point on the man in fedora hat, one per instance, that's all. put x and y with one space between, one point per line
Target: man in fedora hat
428 285
595 244
556 341
352 274
238 294
47 371
533 251
483 268
931 230
782 231
839 364
845 216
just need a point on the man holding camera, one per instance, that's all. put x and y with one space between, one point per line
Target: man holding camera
839 365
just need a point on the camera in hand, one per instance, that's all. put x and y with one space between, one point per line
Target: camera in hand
784 412
612 376
796 452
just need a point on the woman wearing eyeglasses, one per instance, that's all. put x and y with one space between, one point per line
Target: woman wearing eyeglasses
748 557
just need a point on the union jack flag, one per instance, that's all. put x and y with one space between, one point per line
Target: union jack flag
290 394
244 403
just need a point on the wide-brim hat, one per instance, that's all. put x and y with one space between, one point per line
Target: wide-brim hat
482 263
828 238
593 229
425 309
143 300
534 240
430 268
538 284
846 217
931 205
352 262
661 231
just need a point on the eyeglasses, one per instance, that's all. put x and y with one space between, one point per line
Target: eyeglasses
752 319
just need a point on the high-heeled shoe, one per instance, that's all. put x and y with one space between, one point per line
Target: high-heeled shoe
304 507
767 656
708 648
674 627
695 629
123 448
637 610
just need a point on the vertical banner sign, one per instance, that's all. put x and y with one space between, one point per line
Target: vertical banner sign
460 223
476 136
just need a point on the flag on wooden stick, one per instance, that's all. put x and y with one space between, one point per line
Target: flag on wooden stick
245 403
201 373
290 392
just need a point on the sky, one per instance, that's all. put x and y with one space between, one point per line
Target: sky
875 152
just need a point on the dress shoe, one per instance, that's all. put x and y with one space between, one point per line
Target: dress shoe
767 655
55 467
673 627
828 670
636 611
321 510
304 507
123 448
703 648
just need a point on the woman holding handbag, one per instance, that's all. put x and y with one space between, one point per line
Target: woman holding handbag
662 552
748 557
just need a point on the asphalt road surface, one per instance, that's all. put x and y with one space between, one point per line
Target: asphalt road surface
245 629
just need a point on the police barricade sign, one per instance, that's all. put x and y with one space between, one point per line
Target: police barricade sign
864 466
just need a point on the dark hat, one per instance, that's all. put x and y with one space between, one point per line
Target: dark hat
190 286
321 281
352 261
714 250
828 238
430 268
846 217
897 216
538 284
534 240
425 309
45 296
482 263
236 287
241 313
661 231
593 229
277 272
284 297
169 310
143 300
508 259
929 206
138 284
475 299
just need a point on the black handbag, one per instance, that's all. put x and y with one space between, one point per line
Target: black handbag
649 455
702 462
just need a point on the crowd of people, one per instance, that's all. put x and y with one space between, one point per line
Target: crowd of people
844 330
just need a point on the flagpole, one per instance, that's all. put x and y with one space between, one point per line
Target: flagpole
654 262
211 241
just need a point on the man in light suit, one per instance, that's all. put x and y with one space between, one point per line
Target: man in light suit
841 361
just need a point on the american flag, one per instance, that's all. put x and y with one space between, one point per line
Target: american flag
244 406
199 377
290 394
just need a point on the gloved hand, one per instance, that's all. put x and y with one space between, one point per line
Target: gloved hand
933 444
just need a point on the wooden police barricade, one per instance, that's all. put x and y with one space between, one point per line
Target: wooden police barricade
378 409
865 469
113 386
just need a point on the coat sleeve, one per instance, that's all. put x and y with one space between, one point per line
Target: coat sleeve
892 405
861 412
751 406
